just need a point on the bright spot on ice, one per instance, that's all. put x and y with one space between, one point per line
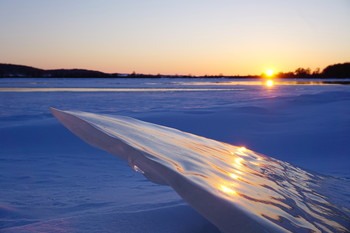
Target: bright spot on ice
234 176
242 149
269 72
238 161
227 190
264 191
269 83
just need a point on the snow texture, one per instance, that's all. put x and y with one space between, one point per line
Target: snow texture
51 181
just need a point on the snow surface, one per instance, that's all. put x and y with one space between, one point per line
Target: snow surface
52 181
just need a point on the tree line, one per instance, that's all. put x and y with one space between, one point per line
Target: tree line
337 71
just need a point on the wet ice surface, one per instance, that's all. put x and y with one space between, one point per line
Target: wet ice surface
46 183
254 193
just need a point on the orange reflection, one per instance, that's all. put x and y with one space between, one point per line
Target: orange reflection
238 161
262 188
234 176
269 83
239 172
227 190
260 82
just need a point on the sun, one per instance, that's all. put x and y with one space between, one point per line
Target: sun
269 72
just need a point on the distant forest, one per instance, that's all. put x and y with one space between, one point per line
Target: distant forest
337 71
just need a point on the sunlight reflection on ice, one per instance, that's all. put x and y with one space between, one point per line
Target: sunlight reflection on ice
263 191
62 89
269 83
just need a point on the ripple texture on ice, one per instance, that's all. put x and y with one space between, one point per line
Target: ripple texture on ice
235 188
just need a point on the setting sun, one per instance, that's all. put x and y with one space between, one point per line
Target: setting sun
269 72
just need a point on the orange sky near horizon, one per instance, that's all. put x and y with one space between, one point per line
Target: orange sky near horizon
175 37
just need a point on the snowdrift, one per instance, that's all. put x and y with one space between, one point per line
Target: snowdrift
236 189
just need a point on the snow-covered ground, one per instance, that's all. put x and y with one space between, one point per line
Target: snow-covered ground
50 179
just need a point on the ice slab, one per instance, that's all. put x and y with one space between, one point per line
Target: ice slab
237 189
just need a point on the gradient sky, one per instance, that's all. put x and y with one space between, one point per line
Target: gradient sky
175 37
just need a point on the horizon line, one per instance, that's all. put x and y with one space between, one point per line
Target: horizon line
315 72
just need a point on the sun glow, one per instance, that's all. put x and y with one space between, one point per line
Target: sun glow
269 72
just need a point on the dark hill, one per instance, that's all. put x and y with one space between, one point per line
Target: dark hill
9 70
75 73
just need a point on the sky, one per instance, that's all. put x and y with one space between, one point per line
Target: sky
195 37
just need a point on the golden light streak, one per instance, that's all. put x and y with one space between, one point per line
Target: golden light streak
227 190
234 176
238 161
242 149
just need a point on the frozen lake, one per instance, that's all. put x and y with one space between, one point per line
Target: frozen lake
23 99
52 180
